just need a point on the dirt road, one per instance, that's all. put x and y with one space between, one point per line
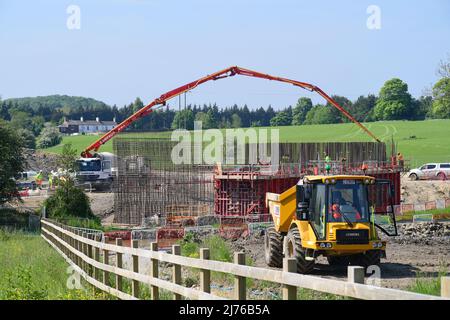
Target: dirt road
405 259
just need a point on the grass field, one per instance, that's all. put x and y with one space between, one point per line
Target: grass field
419 141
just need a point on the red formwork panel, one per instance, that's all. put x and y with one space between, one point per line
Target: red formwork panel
247 197
394 177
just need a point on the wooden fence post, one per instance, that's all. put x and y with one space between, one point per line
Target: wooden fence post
205 275
135 258
445 287
154 272
289 292
355 274
240 288
106 261
118 265
79 249
85 251
97 258
176 278
90 255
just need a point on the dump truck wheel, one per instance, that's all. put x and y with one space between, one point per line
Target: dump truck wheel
371 257
273 248
295 250
338 260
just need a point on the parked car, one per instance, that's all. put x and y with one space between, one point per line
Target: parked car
431 171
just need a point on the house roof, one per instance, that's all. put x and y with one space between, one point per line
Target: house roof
87 123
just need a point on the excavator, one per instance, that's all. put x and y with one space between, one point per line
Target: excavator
336 216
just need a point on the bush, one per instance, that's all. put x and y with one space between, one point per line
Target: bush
190 245
219 249
68 201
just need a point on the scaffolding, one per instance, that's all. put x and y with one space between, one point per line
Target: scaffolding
151 190
150 185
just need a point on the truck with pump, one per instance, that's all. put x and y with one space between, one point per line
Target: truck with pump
96 172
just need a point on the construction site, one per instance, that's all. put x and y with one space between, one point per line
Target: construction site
325 205
167 199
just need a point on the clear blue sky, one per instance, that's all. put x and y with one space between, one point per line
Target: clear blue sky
130 48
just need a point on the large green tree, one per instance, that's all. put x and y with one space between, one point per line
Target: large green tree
183 119
320 114
335 115
11 161
282 118
301 110
441 95
394 101
362 109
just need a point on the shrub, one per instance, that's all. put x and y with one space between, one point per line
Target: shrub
190 245
49 137
219 249
68 201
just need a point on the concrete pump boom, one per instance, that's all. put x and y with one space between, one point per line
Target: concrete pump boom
229 72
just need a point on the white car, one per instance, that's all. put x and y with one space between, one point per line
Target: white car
439 171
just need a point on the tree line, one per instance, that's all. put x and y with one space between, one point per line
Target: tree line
34 116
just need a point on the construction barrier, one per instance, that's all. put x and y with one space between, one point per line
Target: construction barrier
418 207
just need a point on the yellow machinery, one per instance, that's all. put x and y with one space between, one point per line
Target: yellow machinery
334 216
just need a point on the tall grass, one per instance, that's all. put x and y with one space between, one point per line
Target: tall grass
427 284
31 270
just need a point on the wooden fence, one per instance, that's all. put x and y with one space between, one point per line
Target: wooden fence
90 258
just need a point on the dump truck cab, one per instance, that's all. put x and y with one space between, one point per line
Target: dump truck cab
334 216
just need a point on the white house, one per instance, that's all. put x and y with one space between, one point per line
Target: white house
86 126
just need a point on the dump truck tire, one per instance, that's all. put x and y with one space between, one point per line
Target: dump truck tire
338 260
295 250
273 248
371 257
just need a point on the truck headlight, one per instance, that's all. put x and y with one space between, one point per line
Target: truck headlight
322 245
329 245
374 245
380 244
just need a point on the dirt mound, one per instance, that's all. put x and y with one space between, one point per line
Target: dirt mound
424 190
428 233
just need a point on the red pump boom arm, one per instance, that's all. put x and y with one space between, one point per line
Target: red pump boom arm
229 72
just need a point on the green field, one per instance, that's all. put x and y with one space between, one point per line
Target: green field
419 141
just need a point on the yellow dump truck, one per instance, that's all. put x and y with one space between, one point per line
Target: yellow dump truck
334 216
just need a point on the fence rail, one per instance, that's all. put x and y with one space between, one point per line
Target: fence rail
89 256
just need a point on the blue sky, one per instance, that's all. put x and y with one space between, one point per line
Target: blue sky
130 48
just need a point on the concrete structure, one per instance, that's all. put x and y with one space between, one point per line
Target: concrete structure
86 126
